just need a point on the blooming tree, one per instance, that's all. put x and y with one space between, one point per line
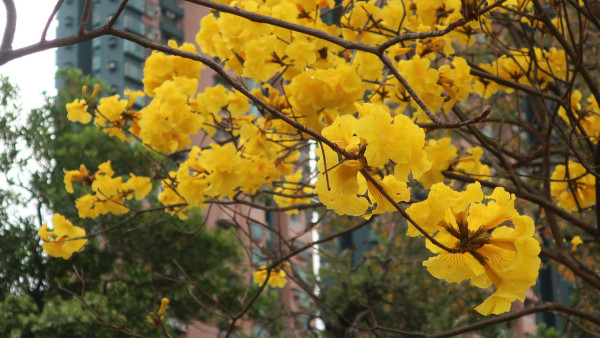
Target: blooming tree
476 122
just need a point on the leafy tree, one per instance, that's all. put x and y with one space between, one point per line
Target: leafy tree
475 122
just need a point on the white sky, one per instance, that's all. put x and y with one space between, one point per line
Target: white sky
33 73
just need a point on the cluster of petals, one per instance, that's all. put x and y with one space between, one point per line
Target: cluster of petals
167 122
488 244
108 193
573 186
341 183
115 115
472 165
546 67
276 277
65 238
587 118
292 191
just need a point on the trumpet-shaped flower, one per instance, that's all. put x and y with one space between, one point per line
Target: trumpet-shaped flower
61 241
77 175
77 111
440 152
486 243
472 164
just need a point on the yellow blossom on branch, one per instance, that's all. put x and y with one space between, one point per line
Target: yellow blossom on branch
573 186
61 241
488 244
77 111
276 277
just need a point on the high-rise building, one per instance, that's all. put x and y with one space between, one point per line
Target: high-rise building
118 62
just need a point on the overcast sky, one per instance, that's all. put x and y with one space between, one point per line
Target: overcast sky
34 73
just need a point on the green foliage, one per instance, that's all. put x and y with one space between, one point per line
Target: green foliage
543 331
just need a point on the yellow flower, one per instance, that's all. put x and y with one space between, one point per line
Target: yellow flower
140 186
168 121
440 153
238 104
424 80
276 277
224 168
431 211
340 185
472 164
575 241
588 118
157 318
77 175
110 110
575 189
489 244
397 139
77 111
169 197
291 187
60 242
163 306
319 95
86 206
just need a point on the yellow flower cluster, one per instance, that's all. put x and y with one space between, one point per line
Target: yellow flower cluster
342 186
115 115
472 165
588 118
109 194
292 191
276 277
547 67
573 186
62 242
157 318
488 243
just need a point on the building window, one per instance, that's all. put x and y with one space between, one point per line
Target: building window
134 49
96 20
151 34
257 257
112 65
170 15
112 41
225 224
255 231
95 62
133 70
135 25
96 43
150 9
69 21
137 4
